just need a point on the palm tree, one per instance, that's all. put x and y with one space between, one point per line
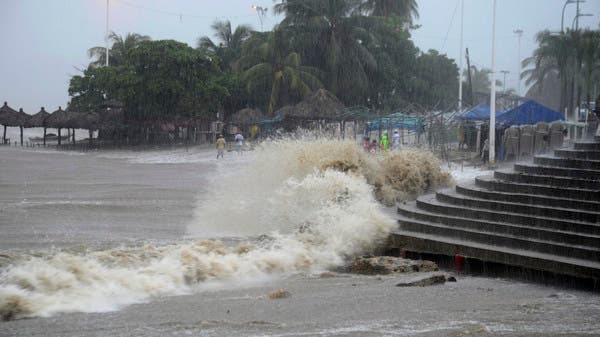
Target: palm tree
118 50
553 56
590 45
405 9
333 39
230 42
268 64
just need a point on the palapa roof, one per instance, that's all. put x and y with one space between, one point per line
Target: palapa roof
59 119
38 120
321 104
246 116
11 117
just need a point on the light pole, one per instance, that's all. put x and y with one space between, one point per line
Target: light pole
492 135
504 72
562 21
261 12
519 33
106 37
460 73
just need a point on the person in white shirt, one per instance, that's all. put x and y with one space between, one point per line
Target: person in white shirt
239 141
396 141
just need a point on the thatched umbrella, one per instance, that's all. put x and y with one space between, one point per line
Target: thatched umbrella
287 110
9 117
38 121
58 119
246 116
319 105
85 120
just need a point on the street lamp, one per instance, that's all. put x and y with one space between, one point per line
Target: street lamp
106 37
519 33
261 12
563 13
492 135
576 20
504 72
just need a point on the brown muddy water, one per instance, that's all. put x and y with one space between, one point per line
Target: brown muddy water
176 243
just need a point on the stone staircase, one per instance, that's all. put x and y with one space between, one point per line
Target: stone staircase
539 218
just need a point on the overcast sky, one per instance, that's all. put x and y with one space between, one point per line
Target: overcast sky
44 42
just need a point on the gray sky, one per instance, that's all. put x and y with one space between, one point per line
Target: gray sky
44 41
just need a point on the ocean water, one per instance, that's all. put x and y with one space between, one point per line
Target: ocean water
175 242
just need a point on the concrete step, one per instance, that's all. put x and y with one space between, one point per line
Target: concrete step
474 191
526 178
437 244
560 235
450 196
429 203
577 154
589 145
556 171
546 160
502 240
493 184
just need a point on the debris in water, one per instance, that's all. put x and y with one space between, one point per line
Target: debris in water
428 281
279 293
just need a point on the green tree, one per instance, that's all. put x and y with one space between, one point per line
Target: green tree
270 64
118 51
173 79
331 38
590 45
405 9
434 85
229 43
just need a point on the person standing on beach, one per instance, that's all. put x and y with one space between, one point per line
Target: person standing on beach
396 140
383 144
239 141
220 146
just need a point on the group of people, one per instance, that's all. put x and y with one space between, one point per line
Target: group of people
221 143
373 146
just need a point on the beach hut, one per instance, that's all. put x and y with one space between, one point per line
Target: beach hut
246 116
38 120
318 108
5 111
320 105
84 120
10 117
58 119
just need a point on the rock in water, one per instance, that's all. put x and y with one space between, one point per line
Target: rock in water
279 293
428 281
389 264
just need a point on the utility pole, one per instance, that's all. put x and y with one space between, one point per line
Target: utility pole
460 74
519 33
469 77
492 136
106 37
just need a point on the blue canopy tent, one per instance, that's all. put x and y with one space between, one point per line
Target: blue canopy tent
529 112
396 120
480 112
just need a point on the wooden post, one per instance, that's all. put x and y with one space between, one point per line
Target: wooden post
91 134
44 136
73 139
21 127
4 136
59 137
